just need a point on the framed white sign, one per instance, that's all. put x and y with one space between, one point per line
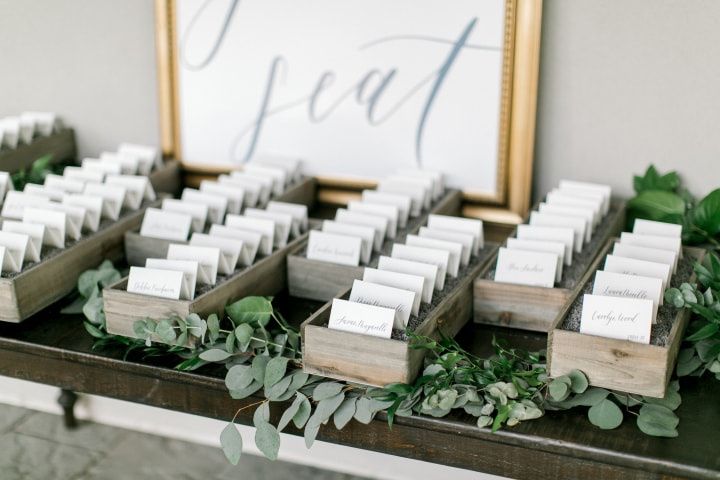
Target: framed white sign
356 89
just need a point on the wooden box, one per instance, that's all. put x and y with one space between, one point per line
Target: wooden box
61 145
56 275
378 361
536 308
166 179
267 276
620 364
139 248
322 281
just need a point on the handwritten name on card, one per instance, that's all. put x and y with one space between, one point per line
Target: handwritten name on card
629 286
360 318
334 248
617 317
383 296
155 282
166 225
526 268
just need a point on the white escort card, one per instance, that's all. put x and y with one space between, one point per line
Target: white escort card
138 188
360 318
74 218
454 249
650 227
5 185
426 270
54 223
16 245
526 268
653 241
630 286
541 246
250 241
16 202
234 195
253 190
166 225
292 166
380 224
617 317
277 175
334 248
230 250
97 165
438 182
564 235
264 227
113 198
207 258
631 266
44 191
556 197
414 191
547 220
585 213
198 211
156 282
189 269
404 281
464 239
589 190
383 296
83 174
147 155
265 183
425 184
282 223
68 185
440 258
129 164
460 225
387 211
299 214
92 205
216 204
35 231
366 234
402 202
644 253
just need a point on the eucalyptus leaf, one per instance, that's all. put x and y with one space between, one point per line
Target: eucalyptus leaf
244 333
605 415
578 381
231 443
363 414
258 367
326 390
291 411
303 413
344 413
250 310
325 408
238 377
278 390
310 434
657 421
672 400
706 214
262 414
165 331
267 439
558 390
247 391
275 371
213 328
214 355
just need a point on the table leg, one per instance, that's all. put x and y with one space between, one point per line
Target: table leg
67 401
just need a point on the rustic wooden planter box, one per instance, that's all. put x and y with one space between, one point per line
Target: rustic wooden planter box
620 364
379 361
56 275
267 276
138 248
536 308
322 281
61 145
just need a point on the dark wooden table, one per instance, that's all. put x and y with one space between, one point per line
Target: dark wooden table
55 349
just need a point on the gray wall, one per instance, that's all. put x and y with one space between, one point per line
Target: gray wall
623 83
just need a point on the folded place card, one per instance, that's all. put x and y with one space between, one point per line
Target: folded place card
53 194
631 266
253 190
461 225
10 128
556 248
390 212
74 218
166 225
360 318
366 234
129 164
68 185
265 183
646 253
155 282
629 286
653 241
5 185
278 175
84 175
522 267
415 192
146 154
617 317
97 165
438 182
35 231
454 249
259 225
663 229
292 166
564 235
137 186
283 223
53 221
424 183
404 281
402 202
440 258
113 198
576 223
208 259
585 213
298 212
250 241
16 245
189 269
605 191
380 224
426 270
216 204
464 239
234 195
92 205
45 122
198 211
556 197
588 194
334 248
230 250
16 202
383 296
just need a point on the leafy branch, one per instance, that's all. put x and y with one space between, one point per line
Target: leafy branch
36 173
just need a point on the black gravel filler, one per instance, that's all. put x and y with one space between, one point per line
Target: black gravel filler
660 333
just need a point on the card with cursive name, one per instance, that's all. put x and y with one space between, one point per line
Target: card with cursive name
265 183
663 229
367 234
53 221
16 245
277 174
83 174
251 189
522 267
16 202
404 281
283 223
92 205
230 250
166 225
188 267
631 286
653 241
68 185
646 253
334 248
148 156
97 165
128 163
291 165
53 194
383 296
585 213
414 191
360 318
632 266
35 231
617 317
464 239
250 241
437 178
155 282
298 212
541 246
74 218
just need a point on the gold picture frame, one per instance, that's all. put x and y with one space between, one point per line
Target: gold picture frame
521 59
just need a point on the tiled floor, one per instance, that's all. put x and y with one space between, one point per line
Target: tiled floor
36 446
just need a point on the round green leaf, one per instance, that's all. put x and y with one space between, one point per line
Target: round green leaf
243 334
657 421
238 377
578 381
267 439
165 332
258 367
250 309
675 297
605 415
275 371
231 443
558 390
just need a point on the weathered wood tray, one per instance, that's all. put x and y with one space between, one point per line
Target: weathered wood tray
267 276
322 281
61 145
379 361
536 308
620 364
138 248
56 275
